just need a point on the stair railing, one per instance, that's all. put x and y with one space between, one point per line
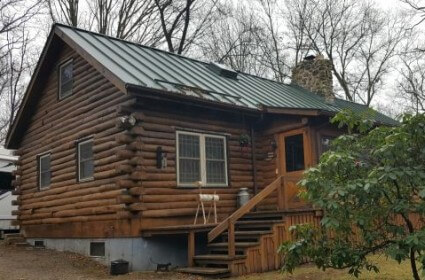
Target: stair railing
229 223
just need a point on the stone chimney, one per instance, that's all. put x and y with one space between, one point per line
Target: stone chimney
314 73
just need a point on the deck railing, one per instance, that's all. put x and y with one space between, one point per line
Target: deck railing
229 223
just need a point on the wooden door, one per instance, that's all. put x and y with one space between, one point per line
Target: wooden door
294 157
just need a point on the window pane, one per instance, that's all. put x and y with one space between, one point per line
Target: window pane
66 73
86 169
189 170
188 146
216 172
86 150
294 153
86 165
97 249
45 179
44 171
66 79
214 148
44 163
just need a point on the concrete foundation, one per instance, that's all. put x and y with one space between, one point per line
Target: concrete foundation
142 253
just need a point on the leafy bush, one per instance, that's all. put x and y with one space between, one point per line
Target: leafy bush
371 187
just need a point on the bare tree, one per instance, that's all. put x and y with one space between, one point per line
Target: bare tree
64 11
135 20
14 66
360 41
234 40
272 44
418 8
185 21
411 84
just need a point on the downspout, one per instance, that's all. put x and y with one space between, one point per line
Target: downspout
253 153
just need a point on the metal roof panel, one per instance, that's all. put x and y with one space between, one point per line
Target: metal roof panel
148 67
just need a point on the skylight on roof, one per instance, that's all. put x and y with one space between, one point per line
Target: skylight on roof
223 70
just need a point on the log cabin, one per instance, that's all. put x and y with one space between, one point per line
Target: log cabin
116 142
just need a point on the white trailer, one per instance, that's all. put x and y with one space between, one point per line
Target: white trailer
6 167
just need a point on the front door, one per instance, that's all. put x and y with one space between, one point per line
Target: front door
294 158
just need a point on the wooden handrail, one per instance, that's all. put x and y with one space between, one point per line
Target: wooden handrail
220 228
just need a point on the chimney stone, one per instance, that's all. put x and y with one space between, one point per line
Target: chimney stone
314 73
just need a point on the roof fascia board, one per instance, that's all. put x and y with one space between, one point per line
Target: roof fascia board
293 111
91 60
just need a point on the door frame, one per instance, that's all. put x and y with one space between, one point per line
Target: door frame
281 164
307 146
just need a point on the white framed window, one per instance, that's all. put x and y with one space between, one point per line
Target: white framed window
65 79
44 173
201 157
85 160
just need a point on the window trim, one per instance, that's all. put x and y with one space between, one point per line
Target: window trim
79 143
39 158
202 159
63 64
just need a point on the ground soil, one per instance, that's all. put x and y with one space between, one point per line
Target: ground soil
17 263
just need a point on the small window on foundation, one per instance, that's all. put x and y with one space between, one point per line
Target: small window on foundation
97 249
39 243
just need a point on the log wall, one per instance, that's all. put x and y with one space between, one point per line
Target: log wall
55 126
128 192
164 203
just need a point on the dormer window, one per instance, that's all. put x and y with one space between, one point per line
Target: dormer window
65 79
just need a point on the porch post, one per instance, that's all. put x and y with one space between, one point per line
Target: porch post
281 194
190 248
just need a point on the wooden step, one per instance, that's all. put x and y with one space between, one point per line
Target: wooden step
256 224
252 232
249 222
206 271
263 215
216 259
249 233
237 244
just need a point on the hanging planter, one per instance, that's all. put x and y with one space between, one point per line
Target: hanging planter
244 140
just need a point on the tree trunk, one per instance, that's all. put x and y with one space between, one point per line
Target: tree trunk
413 265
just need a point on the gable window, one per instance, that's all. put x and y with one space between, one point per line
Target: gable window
85 160
65 79
44 174
201 157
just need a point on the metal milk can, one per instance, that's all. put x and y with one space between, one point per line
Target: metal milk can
243 196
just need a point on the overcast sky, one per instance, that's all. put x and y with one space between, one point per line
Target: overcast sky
385 99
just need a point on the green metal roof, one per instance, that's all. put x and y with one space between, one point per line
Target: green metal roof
138 65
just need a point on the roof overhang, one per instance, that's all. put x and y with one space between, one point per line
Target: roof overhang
297 111
189 100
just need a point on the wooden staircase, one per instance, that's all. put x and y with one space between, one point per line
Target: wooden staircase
255 234
247 241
